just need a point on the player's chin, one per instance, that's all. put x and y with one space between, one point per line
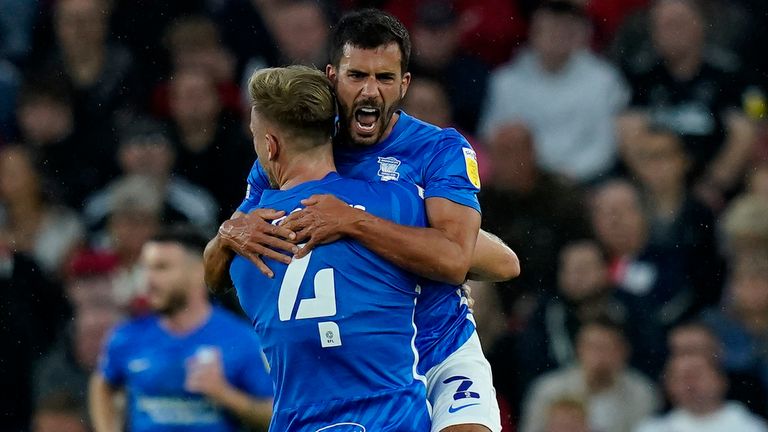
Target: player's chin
365 137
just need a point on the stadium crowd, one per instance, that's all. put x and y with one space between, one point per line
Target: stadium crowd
623 152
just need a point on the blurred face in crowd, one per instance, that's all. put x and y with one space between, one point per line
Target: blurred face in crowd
92 325
554 37
567 418
427 101
172 272
583 271
81 25
129 229
370 85
511 148
677 29
660 162
693 340
602 355
301 32
749 285
435 46
44 120
194 99
694 384
148 155
18 180
90 291
618 220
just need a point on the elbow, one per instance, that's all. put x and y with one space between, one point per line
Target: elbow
512 267
456 272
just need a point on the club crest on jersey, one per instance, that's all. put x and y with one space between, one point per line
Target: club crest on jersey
388 168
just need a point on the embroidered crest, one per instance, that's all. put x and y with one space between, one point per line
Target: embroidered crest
388 168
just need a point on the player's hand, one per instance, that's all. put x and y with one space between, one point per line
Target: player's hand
321 221
253 236
205 374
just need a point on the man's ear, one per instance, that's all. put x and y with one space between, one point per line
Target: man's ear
330 72
404 84
273 146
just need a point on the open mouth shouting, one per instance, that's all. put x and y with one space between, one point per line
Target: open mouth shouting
366 119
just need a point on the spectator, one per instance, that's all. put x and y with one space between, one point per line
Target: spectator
436 37
757 181
742 322
567 415
31 311
69 364
657 276
694 97
568 96
427 100
187 366
696 388
745 226
210 148
35 226
99 73
584 294
617 397
677 220
46 121
60 412
193 42
145 150
300 28
548 212
699 338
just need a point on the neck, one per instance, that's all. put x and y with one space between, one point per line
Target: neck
553 64
305 167
686 66
705 408
189 318
85 66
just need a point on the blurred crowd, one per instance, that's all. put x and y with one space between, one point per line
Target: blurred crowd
623 150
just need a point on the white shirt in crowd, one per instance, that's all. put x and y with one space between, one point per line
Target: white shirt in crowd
731 417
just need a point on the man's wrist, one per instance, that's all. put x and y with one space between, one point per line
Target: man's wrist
357 223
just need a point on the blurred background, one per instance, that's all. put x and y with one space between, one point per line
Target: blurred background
623 150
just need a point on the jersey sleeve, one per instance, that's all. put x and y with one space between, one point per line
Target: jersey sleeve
403 203
254 377
452 171
112 358
257 183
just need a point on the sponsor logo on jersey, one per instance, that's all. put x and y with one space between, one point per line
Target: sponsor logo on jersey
462 393
388 168
138 365
473 171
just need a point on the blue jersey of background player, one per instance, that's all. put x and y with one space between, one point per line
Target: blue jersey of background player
337 325
190 366
442 163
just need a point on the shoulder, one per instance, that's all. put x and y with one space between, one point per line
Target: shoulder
654 424
225 318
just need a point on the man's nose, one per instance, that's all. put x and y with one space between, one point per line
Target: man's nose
370 88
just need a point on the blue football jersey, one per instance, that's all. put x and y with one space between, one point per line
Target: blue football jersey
337 325
150 364
443 164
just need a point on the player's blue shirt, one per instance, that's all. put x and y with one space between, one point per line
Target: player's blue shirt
150 363
337 325
443 164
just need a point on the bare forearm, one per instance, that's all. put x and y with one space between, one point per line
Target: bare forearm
254 412
728 166
493 261
101 405
426 252
217 258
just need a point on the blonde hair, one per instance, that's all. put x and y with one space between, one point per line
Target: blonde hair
298 99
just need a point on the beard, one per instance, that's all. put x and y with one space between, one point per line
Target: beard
174 302
365 121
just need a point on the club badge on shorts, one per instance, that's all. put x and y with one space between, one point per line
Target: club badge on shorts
473 171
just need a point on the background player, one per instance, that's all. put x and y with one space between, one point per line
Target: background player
191 365
369 60
339 362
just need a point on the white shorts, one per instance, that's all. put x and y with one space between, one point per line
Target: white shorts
460 390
